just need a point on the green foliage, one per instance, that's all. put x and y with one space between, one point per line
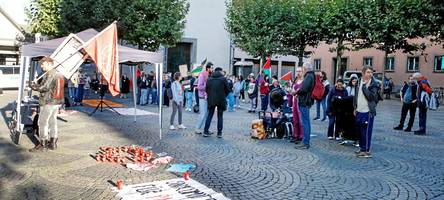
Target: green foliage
151 23
44 17
300 26
389 24
254 25
145 23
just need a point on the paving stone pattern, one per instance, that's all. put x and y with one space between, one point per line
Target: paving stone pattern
404 166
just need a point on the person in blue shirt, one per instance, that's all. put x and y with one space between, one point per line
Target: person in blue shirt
408 99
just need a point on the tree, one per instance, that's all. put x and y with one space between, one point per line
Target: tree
151 23
145 23
44 17
389 24
299 27
435 21
253 25
340 24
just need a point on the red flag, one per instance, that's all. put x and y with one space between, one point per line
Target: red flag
267 64
102 49
287 76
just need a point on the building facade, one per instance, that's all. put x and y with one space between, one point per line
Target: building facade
205 36
399 65
9 43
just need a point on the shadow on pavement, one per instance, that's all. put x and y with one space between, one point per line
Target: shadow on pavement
13 156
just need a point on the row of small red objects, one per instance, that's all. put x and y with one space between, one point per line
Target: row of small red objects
108 154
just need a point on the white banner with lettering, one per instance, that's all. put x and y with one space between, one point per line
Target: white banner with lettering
174 189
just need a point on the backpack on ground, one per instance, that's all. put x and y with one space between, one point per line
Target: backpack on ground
257 129
318 90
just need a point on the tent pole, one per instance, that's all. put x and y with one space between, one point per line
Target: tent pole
134 92
24 64
160 94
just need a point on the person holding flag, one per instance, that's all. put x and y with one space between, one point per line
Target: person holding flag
51 90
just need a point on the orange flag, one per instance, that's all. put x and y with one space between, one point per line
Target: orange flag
102 49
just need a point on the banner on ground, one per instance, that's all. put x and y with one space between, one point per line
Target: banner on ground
174 189
102 49
67 56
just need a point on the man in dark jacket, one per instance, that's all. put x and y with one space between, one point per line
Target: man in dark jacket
217 91
51 97
305 103
408 99
364 103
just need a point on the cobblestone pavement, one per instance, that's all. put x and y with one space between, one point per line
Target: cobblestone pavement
404 166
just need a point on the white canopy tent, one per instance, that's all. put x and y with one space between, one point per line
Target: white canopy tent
127 56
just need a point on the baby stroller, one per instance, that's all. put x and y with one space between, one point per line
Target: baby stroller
279 122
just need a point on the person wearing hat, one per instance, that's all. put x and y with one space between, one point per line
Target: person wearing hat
51 90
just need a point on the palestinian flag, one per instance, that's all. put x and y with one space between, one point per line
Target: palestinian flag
287 76
197 70
267 67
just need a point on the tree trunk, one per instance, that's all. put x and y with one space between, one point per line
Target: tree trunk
301 56
339 52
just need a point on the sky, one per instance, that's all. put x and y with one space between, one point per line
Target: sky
15 9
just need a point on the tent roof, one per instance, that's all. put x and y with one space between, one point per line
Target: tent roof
126 54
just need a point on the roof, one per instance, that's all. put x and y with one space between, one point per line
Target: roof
126 54
13 22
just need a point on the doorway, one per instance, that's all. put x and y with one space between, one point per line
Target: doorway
179 55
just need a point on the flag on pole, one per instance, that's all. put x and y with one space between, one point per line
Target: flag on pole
287 76
197 70
266 68
204 63
102 49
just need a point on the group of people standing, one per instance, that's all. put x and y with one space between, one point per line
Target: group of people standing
412 97
361 95
79 86
147 89
213 88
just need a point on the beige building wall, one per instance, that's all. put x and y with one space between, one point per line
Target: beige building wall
400 73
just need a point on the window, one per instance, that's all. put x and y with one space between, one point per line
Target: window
439 64
317 64
9 70
367 61
390 64
2 60
412 64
